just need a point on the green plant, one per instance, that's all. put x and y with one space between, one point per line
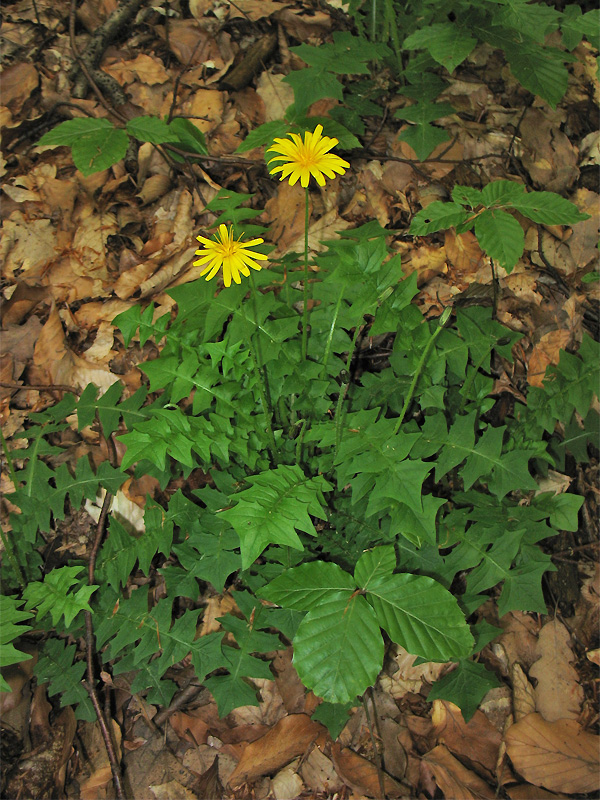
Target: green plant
498 232
374 491
97 144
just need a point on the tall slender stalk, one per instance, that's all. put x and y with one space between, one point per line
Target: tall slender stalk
338 417
305 293
262 382
329 343
425 355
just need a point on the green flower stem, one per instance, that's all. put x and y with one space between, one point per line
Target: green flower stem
329 343
344 387
263 369
441 322
300 442
305 305
5 539
265 405
262 382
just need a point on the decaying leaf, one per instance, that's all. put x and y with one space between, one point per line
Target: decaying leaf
559 756
454 779
558 694
289 738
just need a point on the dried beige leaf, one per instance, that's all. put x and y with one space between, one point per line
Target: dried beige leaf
560 756
288 738
454 779
546 352
523 693
558 694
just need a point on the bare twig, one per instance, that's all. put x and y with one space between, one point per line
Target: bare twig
90 646
41 387
86 71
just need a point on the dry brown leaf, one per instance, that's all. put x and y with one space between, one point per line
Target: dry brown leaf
302 25
476 742
27 246
558 694
454 779
216 606
548 154
593 656
172 790
526 791
206 106
255 9
408 678
583 242
361 775
275 94
546 352
18 82
101 775
559 756
319 774
287 783
523 693
289 738
463 251
290 686
143 68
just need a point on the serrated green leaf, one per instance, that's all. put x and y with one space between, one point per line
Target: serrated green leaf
421 615
151 129
54 595
522 589
95 143
539 69
313 84
189 136
465 686
548 208
338 649
502 193
447 43
304 587
500 235
423 139
264 135
467 196
276 505
56 668
231 692
347 55
334 716
375 563
118 555
424 112
10 614
437 216
106 407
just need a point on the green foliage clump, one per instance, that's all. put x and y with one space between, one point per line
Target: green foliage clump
348 502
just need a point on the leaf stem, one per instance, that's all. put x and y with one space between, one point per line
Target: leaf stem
425 355
345 385
305 293
329 342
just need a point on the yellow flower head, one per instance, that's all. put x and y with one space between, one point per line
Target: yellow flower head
228 253
305 158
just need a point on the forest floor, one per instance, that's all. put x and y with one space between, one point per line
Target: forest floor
79 250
